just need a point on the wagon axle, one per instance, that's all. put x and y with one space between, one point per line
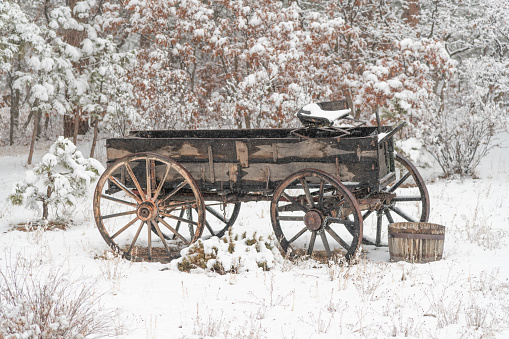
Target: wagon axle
147 211
313 219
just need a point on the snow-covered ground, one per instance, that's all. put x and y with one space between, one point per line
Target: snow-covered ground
465 295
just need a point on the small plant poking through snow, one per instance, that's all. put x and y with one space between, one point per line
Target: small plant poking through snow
233 253
59 180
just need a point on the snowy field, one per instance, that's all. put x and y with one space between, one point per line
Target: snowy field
465 295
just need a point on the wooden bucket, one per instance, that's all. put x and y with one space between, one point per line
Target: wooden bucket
417 242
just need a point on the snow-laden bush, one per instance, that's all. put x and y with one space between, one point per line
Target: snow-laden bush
460 137
59 180
39 301
233 253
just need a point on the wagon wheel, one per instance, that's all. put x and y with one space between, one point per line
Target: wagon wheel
311 204
411 201
220 217
147 191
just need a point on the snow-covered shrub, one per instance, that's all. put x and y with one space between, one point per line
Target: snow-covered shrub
460 136
41 301
233 253
59 180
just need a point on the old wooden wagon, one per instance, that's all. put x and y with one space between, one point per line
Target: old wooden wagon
329 188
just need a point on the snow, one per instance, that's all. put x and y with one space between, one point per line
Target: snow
465 295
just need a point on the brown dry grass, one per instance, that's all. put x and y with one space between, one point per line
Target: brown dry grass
40 224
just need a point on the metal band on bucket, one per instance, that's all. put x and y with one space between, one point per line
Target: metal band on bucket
417 236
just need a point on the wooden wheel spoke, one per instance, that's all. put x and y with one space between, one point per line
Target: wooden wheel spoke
345 222
115 215
124 228
149 238
296 236
172 193
311 243
294 202
135 181
367 214
400 182
379 220
209 228
135 237
161 183
149 173
290 218
336 237
321 193
177 234
124 188
305 187
402 214
188 221
179 205
109 197
407 198
179 222
216 214
388 215
160 235
326 244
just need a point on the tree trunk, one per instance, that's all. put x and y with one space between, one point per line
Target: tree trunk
34 136
94 141
15 98
39 119
76 126
45 210
45 203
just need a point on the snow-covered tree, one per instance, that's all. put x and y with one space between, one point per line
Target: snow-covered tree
19 39
58 181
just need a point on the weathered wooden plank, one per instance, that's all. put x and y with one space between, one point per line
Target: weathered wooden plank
242 153
250 151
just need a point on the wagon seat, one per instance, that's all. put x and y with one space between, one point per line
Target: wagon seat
323 114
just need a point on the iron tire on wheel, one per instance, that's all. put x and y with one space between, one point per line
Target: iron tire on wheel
310 205
140 192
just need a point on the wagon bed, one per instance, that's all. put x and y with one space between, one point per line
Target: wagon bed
247 161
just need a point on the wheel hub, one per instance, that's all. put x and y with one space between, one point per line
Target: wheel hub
147 210
313 220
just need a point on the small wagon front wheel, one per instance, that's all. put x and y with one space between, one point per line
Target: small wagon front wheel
313 213
140 196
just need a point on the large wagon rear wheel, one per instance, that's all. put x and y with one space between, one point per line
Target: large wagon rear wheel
411 202
141 195
312 213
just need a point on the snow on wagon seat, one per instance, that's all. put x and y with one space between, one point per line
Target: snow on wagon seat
323 113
